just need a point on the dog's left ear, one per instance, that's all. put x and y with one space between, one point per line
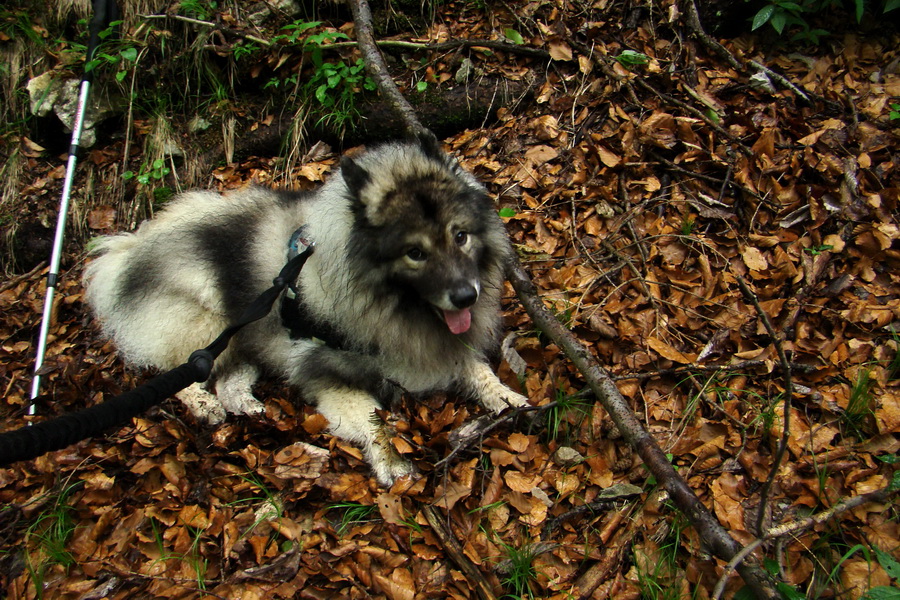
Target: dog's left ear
354 175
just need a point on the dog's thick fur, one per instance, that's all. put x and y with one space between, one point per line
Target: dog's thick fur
404 286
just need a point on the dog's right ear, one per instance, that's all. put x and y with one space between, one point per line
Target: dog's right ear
430 145
354 175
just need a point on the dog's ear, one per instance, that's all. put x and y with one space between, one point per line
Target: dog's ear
354 175
430 145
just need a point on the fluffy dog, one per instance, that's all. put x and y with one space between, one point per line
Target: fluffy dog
403 289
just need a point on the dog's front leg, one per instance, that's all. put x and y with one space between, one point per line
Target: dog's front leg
346 389
493 394
352 416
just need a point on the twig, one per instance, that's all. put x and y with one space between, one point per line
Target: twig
475 431
781 79
795 526
698 114
24 277
454 552
211 25
687 369
697 29
788 396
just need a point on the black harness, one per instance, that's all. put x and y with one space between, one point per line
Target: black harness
294 314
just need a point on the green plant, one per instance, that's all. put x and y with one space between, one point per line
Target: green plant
113 52
893 367
352 513
198 9
294 30
859 405
820 249
631 58
14 23
50 533
243 50
564 407
785 15
335 86
887 562
270 505
195 559
687 225
892 459
657 570
519 569
156 171
894 115
198 563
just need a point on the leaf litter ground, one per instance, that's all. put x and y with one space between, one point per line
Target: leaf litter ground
635 219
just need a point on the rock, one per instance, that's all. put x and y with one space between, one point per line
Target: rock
50 91
567 457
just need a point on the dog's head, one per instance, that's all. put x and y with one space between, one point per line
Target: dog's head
424 226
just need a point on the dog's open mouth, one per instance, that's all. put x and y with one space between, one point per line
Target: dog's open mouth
458 321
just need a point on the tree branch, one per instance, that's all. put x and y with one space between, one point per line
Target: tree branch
788 396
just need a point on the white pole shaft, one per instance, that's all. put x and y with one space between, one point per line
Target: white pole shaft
58 242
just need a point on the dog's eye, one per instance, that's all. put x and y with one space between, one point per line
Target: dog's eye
461 238
415 254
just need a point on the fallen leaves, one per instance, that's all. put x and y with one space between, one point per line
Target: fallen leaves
635 219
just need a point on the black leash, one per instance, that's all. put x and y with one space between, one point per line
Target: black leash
32 441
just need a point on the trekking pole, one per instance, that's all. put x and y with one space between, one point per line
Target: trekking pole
105 11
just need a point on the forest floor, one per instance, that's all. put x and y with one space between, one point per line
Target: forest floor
641 178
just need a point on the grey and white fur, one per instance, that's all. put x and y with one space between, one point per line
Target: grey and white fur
404 287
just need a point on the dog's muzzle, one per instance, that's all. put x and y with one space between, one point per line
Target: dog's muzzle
459 318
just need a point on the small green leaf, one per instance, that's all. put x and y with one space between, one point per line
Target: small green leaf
514 36
790 592
779 20
129 54
421 86
507 212
629 58
888 563
882 592
762 17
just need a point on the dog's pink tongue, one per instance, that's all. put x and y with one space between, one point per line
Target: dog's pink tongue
458 321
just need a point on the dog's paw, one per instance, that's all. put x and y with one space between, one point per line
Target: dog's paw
239 402
388 465
202 404
235 391
505 398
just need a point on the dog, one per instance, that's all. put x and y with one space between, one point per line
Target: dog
402 291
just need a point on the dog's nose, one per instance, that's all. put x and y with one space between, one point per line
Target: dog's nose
463 296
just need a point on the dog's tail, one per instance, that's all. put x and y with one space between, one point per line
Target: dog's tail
102 274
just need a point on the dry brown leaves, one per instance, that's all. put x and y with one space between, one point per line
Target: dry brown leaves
635 221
